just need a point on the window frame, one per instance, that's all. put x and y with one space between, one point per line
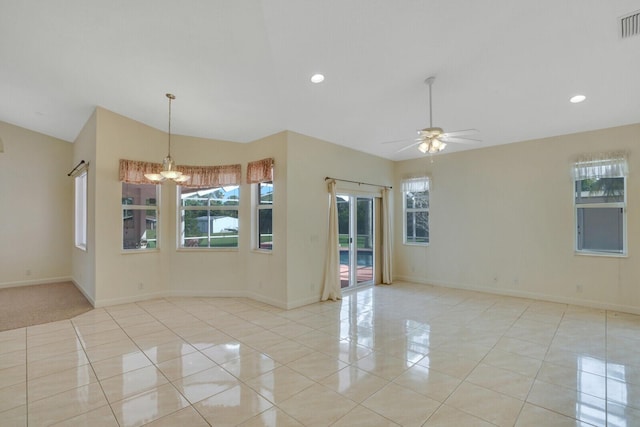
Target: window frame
600 205
125 207
259 207
80 210
209 208
420 181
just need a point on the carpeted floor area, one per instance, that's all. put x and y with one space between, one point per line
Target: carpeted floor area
33 305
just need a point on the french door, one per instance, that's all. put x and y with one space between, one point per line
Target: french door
357 240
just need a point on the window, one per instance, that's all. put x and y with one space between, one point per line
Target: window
81 210
139 216
600 204
209 217
415 196
264 215
260 173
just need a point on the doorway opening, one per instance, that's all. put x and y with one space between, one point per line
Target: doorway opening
356 236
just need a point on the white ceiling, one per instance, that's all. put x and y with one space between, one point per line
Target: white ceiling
240 69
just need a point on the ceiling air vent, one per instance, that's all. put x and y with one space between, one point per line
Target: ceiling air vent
630 25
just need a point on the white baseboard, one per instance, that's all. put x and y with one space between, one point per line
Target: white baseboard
127 300
267 300
302 302
82 291
526 294
187 293
35 282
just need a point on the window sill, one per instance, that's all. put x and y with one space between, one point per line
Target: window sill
189 250
262 251
415 244
81 247
138 251
601 254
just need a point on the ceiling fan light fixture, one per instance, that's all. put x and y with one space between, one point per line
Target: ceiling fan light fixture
431 146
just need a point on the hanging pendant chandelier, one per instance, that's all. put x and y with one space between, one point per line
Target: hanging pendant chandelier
169 171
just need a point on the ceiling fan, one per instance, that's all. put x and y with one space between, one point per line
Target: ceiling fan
434 139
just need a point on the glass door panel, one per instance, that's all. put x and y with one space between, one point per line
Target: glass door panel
344 239
364 239
356 239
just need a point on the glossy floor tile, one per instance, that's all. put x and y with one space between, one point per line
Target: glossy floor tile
407 354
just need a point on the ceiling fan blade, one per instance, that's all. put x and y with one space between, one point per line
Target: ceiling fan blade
395 141
409 146
462 132
460 140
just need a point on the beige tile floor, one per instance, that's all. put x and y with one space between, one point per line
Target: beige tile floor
405 354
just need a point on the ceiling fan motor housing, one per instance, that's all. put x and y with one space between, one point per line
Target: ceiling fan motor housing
430 132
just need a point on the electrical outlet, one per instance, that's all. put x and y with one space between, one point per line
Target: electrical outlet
28 272
578 288
140 286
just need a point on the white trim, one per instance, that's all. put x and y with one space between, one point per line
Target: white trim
256 208
604 205
406 210
35 282
524 294
81 203
155 207
83 292
127 300
194 294
181 210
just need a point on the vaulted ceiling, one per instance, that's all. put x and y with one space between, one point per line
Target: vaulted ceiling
240 69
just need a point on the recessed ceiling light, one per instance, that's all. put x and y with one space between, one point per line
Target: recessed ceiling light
317 78
577 99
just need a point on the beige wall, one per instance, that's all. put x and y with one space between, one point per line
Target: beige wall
119 275
290 275
310 160
37 204
83 262
266 275
502 220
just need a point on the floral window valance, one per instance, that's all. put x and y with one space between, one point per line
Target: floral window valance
133 171
211 176
260 171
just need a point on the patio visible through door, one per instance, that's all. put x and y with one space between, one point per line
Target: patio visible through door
356 238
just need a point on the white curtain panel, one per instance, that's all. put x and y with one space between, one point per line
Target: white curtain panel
387 239
331 286
601 165
415 185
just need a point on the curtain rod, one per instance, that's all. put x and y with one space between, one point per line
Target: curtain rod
78 166
357 182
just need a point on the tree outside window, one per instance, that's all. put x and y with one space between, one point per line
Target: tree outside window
415 193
